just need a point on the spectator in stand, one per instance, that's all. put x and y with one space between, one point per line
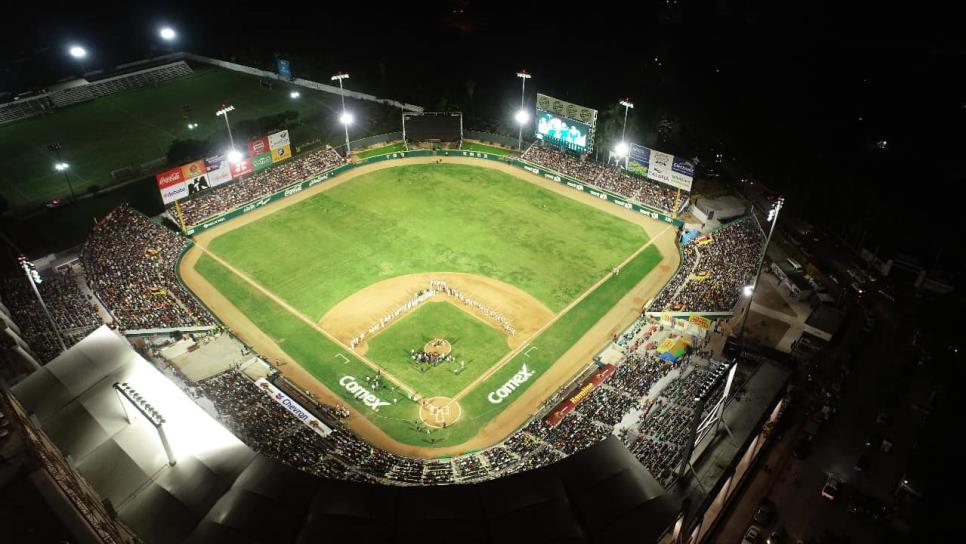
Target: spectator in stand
234 194
72 310
130 266
612 179
712 275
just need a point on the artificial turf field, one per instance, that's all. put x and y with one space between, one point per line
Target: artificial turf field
138 126
427 218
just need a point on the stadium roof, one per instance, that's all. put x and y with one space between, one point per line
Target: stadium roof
222 491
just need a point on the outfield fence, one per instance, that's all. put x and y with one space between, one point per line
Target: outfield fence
491 138
297 187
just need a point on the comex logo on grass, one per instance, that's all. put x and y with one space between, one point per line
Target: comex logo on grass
360 392
518 379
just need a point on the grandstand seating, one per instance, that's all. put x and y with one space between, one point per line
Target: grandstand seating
615 180
22 109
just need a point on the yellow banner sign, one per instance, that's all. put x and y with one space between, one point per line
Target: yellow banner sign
700 321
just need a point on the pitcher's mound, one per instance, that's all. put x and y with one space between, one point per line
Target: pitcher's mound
439 412
438 346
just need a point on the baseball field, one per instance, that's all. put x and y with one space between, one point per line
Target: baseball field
495 275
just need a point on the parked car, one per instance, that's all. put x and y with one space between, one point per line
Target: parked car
831 488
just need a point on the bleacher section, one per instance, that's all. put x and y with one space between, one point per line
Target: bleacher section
24 108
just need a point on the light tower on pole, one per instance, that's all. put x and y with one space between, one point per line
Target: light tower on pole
749 290
33 278
628 105
62 166
346 117
233 154
522 116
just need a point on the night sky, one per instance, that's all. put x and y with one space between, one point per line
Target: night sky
796 95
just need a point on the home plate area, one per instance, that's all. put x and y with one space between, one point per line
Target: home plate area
439 412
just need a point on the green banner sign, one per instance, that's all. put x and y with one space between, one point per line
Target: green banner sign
261 161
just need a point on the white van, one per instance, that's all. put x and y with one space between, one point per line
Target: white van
794 264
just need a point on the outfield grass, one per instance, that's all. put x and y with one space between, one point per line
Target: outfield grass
137 126
429 218
473 341
391 148
483 148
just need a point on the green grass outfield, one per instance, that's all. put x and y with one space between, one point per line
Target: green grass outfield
473 341
426 218
391 148
415 219
483 148
137 126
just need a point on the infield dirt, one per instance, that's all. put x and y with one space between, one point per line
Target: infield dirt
577 358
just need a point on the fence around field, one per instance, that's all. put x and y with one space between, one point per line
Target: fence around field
519 163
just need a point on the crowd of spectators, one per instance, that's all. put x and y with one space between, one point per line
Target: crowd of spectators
130 263
612 179
657 437
712 275
73 311
233 194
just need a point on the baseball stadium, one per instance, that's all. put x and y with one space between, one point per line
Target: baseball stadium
391 306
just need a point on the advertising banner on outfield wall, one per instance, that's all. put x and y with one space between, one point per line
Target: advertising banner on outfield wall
661 167
279 139
171 185
197 184
281 153
258 146
218 170
261 161
193 169
241 168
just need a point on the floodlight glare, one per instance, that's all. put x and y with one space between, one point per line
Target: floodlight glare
167 33
61 166
522 117
77 52
622 149
345 118
748 290
234 156
294 94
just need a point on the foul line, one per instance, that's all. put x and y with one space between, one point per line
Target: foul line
289 308
509 356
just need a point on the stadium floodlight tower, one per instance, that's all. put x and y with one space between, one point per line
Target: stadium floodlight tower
346 117
167 33
628 105
80 54
62 166
522 115
233 154
749 290
33 278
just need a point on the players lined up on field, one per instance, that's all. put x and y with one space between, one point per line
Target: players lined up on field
442 287
392 316
609 178
258 184
727 264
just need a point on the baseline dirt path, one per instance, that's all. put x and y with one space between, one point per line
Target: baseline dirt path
361 309
529 402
